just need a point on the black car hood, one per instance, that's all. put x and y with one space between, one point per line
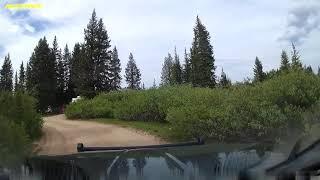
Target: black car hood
196 162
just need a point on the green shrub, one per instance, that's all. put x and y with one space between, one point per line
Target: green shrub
95 108
19 125
263 110
14 143
20 108
144 106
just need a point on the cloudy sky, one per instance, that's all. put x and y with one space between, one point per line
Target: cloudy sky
239 29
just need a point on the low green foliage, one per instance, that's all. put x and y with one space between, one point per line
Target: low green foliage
19 124
14 143
264 110
96 108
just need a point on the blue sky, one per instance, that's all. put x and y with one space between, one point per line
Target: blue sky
240 30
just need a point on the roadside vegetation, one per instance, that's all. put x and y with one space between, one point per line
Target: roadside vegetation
20 124
264 110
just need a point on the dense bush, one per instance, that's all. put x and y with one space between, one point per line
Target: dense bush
19 125
14 143
95 108
20 109
264 109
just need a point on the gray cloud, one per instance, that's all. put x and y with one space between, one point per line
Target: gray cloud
302 20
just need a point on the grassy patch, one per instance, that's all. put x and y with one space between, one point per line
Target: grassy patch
162 130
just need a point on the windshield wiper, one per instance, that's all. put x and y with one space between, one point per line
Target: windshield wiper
82 148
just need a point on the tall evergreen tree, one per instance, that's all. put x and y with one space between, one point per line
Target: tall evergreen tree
104 60
69 87
60 71
6 75
186 67
176 77
75 67
60 79
133 76
224 80
202 59
97 46
90 33
80 70
42 74
115 70
66 58
56 54
285 64
16 83
29 81
154 85
308 69
59 68
166 73
22 78
259 75
295 58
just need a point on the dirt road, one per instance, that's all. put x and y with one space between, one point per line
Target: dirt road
61 135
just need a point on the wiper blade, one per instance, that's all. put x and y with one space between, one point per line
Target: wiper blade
82 148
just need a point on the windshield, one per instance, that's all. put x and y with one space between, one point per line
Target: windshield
235 84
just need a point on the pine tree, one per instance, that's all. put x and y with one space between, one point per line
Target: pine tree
224 80
176 77
166 73
59 68
115 70
295 58
285 65
319 71
75 67
187 67
56 53
29 81
66 58
104 60
68 85
91 36
42 75
202 59
154 85
97 46
259 75
60 80
22 78
308 69
6 75
80 70
16 83
133 76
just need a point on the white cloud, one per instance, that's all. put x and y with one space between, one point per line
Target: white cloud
303 18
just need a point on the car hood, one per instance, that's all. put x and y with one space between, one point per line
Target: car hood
195 162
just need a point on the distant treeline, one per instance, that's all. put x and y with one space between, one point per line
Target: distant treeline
54 76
